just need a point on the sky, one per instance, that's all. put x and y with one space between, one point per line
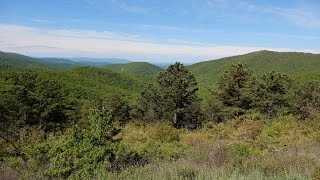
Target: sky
158 31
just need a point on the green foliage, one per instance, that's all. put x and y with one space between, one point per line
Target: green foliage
82 151
301 67
272 93
88 82
120 109
137 68
154 140
233 97
274 147
307 99
215 111
17 61
234 86
149 106
174 97
243 150
241 92
36 100
164 133
273 131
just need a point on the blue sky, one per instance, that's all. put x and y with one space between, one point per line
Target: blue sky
163 30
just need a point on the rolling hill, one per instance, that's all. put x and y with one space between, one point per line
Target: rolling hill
138 68
98 61
300 66
84 82
13 60
60 63
87 82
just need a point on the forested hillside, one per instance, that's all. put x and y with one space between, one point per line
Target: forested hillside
13 60
93 81
254 116
138 68
300 66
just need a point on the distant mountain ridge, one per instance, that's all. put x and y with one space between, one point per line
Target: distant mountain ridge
14 60
99 61
301 67
138 68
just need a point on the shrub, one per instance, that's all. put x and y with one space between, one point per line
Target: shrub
81 152
220 131
241 155
163 132
307 100
277 127
155 140
195 138
247 130
243 150
128 159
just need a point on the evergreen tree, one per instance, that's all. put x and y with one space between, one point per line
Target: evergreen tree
148 109
307 99
174 96
120 109
271 93
234 89
35 100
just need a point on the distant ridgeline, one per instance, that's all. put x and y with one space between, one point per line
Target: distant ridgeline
108 74
299 66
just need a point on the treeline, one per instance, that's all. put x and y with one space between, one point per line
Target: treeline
47 132
174 97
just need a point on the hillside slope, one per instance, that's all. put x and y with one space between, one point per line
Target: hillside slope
18 61
300 66
84 82
10 60
138 68
13 60
87 82
60 63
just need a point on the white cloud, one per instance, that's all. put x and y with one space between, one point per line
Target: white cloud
124 6
293 15
68 42
129 8
299 17
296 16
39 20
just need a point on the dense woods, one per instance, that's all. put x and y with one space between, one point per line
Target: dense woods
89 122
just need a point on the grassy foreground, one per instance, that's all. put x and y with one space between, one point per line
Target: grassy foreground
249 147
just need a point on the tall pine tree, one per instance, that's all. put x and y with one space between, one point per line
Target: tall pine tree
174 97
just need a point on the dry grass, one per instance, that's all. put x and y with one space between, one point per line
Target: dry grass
245 148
